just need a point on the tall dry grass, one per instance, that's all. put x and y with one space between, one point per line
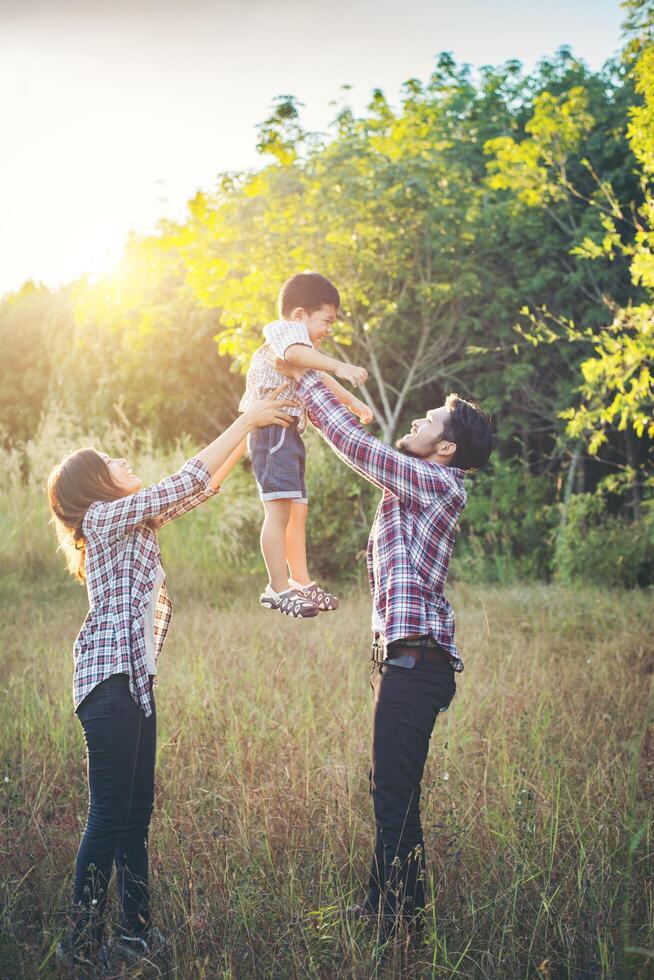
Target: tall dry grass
537 796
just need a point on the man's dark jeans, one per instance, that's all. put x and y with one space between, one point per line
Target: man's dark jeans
121 746
407 703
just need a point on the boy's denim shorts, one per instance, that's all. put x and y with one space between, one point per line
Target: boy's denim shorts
278 457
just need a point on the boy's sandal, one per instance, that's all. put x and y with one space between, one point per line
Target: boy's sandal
291 603
325 601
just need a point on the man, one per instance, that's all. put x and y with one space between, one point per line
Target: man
414 653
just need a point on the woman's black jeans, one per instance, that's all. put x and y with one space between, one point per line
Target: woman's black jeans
121 746
407 704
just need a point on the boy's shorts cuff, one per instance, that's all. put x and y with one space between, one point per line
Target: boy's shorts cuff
285 495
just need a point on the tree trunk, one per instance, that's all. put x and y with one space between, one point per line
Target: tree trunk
631 452
568 489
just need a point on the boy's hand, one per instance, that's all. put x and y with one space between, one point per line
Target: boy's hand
361 410
350 372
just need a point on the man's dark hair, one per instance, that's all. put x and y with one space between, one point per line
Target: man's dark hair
308 290
471 430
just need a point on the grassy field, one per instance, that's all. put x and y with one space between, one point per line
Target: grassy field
537 796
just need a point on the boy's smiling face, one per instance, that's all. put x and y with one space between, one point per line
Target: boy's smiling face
318 323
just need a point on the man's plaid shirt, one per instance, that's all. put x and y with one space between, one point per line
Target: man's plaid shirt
413 531
122 558
262 378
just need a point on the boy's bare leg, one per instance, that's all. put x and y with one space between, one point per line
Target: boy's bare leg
296 554
273 541
296 543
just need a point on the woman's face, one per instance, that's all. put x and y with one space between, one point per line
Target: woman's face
122 475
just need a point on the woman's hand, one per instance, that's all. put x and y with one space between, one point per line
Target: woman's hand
269 410
221 454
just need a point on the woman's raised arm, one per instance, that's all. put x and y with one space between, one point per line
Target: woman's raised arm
114 518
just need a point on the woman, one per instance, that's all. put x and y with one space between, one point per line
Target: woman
107 526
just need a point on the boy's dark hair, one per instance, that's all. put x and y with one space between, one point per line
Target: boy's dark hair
308 290
471 430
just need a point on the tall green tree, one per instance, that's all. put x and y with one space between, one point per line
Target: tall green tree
609 221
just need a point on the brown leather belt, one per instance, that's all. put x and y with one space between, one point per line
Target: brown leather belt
422 649
419 654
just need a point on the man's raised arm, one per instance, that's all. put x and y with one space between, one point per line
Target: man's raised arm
413 481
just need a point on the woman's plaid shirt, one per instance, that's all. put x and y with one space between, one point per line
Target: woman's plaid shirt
413 532
122 557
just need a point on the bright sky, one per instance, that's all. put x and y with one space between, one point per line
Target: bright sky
114 112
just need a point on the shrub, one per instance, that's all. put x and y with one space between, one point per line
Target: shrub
600 548
341 510
507 529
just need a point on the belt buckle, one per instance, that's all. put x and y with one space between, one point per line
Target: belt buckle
378 650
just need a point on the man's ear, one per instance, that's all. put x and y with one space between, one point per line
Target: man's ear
446 448
297 313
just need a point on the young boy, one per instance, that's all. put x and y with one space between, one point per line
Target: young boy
308 306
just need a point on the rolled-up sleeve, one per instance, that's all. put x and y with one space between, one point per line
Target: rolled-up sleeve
184 506
113 518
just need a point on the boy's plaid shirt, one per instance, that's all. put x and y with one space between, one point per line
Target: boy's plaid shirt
413 531
262 378
122 558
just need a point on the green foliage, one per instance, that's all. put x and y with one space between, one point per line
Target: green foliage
35 332
602 549
388 207
639 22
535 168
489 235
143 351
341 509
618 385
508 527
617 389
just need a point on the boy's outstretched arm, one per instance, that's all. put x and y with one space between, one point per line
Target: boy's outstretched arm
301 356
347 398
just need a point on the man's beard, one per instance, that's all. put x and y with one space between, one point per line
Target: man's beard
399 445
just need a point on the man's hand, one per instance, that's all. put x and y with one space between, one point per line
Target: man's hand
350 372
361 410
